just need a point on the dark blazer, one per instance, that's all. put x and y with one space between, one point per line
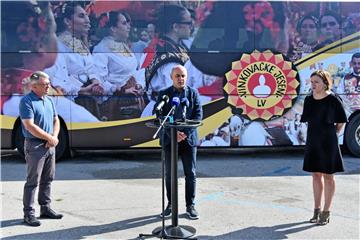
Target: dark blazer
194 112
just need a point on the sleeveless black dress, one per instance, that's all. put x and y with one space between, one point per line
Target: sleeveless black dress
322 151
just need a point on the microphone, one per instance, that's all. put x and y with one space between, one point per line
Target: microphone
175 101
164 100
185 104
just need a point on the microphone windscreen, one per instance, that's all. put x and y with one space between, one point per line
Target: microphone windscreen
175 101
165 98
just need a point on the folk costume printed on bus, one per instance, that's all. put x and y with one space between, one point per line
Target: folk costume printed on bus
74 43
167 51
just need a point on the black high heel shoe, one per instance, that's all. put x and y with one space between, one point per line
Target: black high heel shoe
316 215
324 218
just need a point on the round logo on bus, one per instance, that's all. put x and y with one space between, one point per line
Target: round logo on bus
262 84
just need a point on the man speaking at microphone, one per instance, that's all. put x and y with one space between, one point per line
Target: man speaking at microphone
187 138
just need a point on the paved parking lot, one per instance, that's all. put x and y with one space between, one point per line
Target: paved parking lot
240 195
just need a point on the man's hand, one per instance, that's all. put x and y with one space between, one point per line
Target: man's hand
52 142
180 136
36 131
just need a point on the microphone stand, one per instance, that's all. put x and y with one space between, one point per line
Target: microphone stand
160 231
164 121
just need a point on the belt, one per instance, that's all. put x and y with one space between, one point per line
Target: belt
35 140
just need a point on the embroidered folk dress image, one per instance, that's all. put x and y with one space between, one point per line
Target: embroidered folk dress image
322 151
117 68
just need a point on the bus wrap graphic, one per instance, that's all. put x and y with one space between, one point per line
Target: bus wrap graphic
262 84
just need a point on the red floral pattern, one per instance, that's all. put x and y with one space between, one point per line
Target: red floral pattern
203 11
259 16
150 51
42 24
103 20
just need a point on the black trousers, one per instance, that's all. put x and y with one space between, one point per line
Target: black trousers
187 154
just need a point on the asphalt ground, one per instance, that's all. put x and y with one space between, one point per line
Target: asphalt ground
250 194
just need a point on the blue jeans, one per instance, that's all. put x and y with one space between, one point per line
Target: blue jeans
187 154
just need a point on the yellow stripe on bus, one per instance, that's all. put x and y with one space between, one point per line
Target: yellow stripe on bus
214 121
152 143
92 125
316 57
7 122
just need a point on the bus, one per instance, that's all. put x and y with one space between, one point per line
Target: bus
249 60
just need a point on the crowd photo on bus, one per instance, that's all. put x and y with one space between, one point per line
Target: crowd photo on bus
110 59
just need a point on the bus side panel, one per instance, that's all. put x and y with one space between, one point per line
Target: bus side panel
6 135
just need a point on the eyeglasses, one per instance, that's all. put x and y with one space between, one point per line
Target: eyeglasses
44 84
325 24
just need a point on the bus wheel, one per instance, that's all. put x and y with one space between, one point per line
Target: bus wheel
352 135
19 141
62 149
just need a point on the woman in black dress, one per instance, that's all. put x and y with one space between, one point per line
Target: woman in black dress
325 116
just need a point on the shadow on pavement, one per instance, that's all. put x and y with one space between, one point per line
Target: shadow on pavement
11 222
275 232
84 231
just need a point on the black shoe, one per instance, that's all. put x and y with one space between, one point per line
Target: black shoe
324 218
192 213
316 216
49 213
167 211
31 220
